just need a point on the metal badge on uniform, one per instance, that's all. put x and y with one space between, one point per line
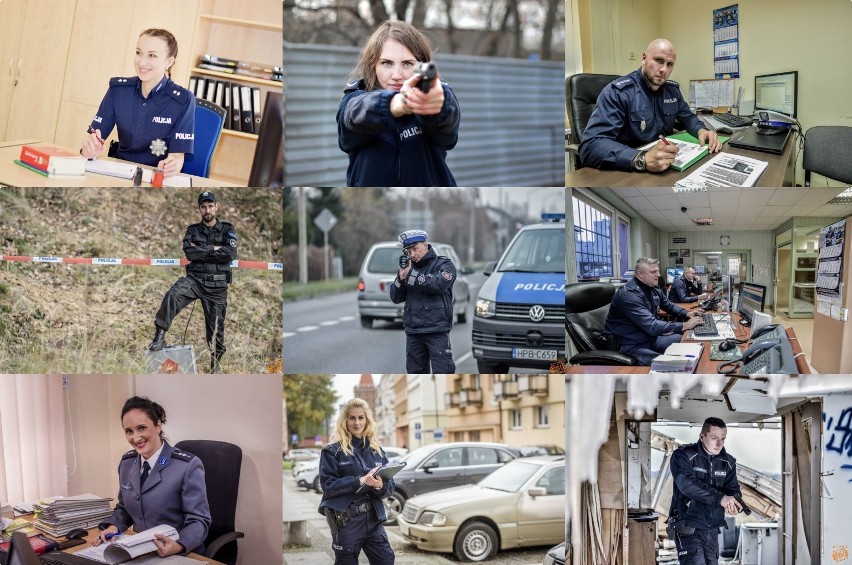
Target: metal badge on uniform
642 125
164 461
421 279
158 147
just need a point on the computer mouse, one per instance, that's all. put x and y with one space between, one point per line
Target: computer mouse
727 345
724 131
78 533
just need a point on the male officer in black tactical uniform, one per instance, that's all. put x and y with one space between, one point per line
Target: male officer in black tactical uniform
425 283
635 110
210 246
705 489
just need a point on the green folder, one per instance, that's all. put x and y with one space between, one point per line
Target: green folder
30 167
686 136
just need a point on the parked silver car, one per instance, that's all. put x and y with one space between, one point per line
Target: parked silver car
378 271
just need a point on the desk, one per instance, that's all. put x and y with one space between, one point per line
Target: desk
12 174
775 175
705 365
93 533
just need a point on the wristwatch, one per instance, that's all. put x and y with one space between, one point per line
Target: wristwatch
639 162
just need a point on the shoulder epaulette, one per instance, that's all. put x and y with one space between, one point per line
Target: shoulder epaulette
182 455
129 455
673 83
178 93
623 82
123 81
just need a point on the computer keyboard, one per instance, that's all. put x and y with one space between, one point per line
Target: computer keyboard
708 327
732 120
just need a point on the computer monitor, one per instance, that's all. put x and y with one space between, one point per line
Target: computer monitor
752 299
672 273
267 168
699 269
777 92
21 552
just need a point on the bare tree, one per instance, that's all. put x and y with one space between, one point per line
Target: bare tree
551 10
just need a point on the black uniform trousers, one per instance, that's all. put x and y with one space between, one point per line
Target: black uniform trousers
700 548
214 301
420 349
363 531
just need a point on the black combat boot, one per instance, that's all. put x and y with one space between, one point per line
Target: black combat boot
215 363
159 339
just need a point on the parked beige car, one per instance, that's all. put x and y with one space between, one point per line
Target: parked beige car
520 504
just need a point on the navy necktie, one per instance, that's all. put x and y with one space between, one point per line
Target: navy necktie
145 470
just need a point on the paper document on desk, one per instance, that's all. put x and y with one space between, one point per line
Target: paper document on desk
678 358
128 547
723 170
116 169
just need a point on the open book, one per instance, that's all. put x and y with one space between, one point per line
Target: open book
127 548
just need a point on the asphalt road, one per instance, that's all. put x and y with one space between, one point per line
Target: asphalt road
300 503
324 335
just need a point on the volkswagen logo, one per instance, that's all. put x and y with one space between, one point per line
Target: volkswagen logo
537 313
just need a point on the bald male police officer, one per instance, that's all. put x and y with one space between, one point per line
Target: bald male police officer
210 245
635 110
425 284
172 493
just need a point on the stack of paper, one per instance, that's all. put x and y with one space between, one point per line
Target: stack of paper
59 516
725 169
678 358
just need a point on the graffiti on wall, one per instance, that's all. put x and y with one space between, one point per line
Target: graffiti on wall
838 434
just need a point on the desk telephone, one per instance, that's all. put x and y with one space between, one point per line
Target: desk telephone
771 352
711 303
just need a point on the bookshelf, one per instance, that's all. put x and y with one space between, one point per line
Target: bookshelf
249 31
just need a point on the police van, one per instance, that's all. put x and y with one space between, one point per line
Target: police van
519 315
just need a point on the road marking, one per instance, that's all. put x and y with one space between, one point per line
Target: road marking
307 328
289 334
329 323
464 357
346 318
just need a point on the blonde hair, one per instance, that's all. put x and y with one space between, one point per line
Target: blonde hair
342 435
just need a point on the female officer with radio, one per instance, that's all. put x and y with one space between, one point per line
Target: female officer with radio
158 484
155 117
345 466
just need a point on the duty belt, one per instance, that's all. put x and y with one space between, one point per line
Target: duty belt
361 508
214 277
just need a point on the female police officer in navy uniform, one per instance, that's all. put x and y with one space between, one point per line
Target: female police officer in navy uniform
155 117
396 134
158 484
355 519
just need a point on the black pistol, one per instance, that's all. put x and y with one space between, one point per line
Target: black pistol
427 71
403 261
745 507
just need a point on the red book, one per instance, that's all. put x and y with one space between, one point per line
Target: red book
42 156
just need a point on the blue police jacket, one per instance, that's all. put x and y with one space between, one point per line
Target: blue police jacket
339 474
198 244
629 114
428 294
174 493
168 114
387 151
632 317
683 290
700 482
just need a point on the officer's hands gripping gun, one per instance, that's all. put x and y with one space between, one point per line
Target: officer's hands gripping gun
403 261
744 506
427 71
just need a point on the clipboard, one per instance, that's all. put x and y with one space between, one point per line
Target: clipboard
385 472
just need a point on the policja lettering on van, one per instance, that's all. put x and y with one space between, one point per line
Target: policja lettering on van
540 286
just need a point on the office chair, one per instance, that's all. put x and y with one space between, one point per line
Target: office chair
586 308
209 119
222 462
827 153
267 168
581 97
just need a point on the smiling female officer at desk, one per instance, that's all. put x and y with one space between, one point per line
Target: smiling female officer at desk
155 116
158 484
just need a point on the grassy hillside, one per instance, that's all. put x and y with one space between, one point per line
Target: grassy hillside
100 319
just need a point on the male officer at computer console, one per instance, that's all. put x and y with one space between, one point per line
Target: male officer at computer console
635 110
686 288
632 318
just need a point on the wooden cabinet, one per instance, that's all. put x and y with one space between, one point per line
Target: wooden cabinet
34 46
249 31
